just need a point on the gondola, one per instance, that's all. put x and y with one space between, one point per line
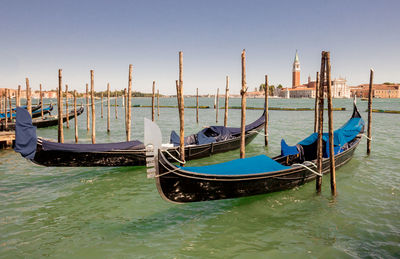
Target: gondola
209 141
36 112
48 121
255 175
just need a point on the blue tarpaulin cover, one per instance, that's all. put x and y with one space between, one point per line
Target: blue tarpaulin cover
252 165
25 134
341 136
129 145
2 115
214 133
287 150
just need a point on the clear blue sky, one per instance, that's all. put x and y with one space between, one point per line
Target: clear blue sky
39 37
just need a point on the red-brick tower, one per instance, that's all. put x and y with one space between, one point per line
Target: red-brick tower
296 71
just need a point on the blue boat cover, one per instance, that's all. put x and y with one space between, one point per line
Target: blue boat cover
70 147
287 150
252 165
214 133
25 134
341 136
2 116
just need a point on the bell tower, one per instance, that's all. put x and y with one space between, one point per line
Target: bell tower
296 71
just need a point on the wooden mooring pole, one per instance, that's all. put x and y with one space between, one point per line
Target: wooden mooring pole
5 108
101 111
181 109
126 111
108 108
243 114
128 133
318 181
152 100
93 107
87 108
9 102
28 97
316 103
266 111
116 104
226 101
197 105
371 80
330 124
1 103
18 101
217 106
60 108
41 100
76 118
66 106
158 103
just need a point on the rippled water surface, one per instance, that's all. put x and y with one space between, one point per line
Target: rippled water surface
117 212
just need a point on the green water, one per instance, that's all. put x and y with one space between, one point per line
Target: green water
117 212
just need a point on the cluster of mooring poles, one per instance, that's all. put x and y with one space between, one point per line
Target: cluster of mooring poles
323 84
90 107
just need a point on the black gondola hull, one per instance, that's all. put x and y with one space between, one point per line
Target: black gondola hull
130 157
47 122
182 186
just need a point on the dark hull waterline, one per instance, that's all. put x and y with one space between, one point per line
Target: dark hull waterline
131 157
182 186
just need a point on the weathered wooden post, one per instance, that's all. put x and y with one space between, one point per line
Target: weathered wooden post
182 109
197 105
108 107
5 108
76 118
66 106
152 100
116 105
101 111
215 101
178 96
87 108
330 124
217 107
19 96
59 107
158 103
226 101
128 133
28 97
41 100
9 101
316 103
266 93
243 120
318 181
93 107
1 103
126 111
371 79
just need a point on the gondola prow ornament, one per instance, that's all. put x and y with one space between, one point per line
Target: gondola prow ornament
152 142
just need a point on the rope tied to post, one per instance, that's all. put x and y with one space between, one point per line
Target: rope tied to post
366 137
308 168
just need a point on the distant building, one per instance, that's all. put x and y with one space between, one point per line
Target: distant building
378 91
340 89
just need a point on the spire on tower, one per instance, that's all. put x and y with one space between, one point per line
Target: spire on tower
296 57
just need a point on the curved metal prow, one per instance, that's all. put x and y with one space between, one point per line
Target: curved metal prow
152 142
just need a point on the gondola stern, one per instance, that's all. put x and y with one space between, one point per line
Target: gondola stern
25 134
